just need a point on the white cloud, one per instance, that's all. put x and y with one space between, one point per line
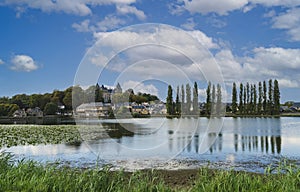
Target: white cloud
265 63
220 7
84 26
140 87
224 7
108 23
126 9
23 63
189 25
206 41
289 21
76 7
288 83
1 62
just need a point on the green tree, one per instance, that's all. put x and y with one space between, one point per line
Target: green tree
169 104
177 104
260 97
270 98
254 100
241 106
182 99
208 99
234 98
195 99
219 107
245 100
7 109
22 100
248 98
50 109
264 98
188 98
99 94
276 98
213 99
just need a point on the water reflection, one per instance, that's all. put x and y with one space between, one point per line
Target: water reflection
241 135
241 139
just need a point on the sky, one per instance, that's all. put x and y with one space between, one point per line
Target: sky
53 44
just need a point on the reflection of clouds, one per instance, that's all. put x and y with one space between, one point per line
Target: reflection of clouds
48 150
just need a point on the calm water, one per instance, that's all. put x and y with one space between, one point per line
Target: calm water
242 143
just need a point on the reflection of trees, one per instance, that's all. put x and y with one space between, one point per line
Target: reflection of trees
264 139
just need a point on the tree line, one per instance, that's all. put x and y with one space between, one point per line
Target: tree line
264 100
187 100
253 99
184 104
71 97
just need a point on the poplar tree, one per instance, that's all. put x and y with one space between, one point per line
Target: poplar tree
264 98
245 101
270 97
247 98
213 100
241 107
188 98
177 104
276 98
254 99
195 99
208 98
260 97
169 103
234 98
182 100
219 100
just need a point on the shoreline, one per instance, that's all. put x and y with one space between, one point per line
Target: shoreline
58 120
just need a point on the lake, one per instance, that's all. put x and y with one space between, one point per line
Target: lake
248 144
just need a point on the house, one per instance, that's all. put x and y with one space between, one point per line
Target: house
37 112
94 109
139 109
296 105
19 113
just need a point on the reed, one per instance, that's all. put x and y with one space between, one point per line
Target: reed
31 176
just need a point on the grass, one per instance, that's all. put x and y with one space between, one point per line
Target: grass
13 135
31 176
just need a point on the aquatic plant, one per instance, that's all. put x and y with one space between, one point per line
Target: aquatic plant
13 135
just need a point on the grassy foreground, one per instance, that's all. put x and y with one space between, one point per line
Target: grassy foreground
30 176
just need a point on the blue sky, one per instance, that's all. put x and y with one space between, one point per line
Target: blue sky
42 43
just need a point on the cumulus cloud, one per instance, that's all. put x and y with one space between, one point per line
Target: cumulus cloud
76 7
189 25
140 87
109 22
265 63
220 7
83 26
290 21
126 9
23 63
224 7
1 62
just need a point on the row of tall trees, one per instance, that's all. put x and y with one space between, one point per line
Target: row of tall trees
186 102
214 105
256 101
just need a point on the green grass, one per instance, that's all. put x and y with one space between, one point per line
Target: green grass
13 135
31 176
